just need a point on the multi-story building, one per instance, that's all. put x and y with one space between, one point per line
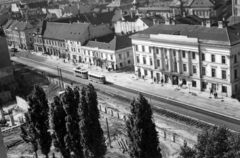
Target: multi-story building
61 39
235 7
198 57
111 51
19 33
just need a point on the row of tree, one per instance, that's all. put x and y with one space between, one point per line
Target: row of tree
218 142
71 124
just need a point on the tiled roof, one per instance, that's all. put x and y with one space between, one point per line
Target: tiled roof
202 3
4 18
42 4
62 31
227 35
13 24
120 3
9 22
22 26
70 9
111 42
93 18
149 20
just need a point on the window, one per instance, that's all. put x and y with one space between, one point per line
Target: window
120 64
136 47
144 60
174 53
194 84
203 70
149 49
120 56
157 51
224 89
204 85
127 54
203 57
193 55
101 55
129 61
145 72
235 74
89 53
78 50
194 69
224 76
151 61
111 57
158 62
143 49
213 58
184 67
223 60
235 59
236 87
138 59
213 73
183 54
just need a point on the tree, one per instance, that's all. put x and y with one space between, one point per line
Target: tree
92 136
38 114
70 100
29 134
187 152
57 123
141 131
235 147
202 140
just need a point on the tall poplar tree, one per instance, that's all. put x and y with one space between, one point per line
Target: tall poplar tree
70 100
57 123
38 114
92 139
141 131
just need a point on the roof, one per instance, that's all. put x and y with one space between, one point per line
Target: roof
226 35
130 18
22 25
202 3
120 3
93 18
149 20
176 3
61 31
70 9
4 19
111 42
9 22
41 4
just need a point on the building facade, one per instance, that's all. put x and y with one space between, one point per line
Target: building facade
236 7
181 57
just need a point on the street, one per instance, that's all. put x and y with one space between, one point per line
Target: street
155 100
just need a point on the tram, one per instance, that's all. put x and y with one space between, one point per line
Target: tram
78 72
97 78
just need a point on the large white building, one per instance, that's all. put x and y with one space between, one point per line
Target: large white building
201 57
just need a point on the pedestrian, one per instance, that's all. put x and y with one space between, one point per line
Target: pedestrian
216 95
162 81
211 91
154 79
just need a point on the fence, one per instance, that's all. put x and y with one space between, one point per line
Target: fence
166 134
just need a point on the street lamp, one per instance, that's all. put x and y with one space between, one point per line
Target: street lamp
189 87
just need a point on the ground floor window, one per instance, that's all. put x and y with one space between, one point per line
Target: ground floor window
236 87
194 84
204 85
224 89
74 57
120 64
129 62
145 72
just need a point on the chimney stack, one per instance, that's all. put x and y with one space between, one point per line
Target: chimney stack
208 23
167 21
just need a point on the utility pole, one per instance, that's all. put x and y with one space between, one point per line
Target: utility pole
108 133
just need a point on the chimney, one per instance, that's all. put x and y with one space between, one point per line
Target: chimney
220 25
184 14
167 21
154 21
208 23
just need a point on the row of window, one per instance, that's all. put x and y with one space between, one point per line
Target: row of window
120 55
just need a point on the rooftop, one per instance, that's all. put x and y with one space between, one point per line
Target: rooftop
111 42
224 36
61 31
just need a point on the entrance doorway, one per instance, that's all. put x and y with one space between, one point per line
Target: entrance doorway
184 82
214 87
158 76
166 78
175 80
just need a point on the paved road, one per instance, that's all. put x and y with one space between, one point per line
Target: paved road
156 101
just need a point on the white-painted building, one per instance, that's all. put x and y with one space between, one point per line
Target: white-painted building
198 57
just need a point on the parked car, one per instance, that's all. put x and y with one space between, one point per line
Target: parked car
13 49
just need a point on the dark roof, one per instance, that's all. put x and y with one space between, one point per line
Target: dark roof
42 4
22 25
93 18
111 42
130 18
149 20
9 22
4 19
61 31
226 35
202 3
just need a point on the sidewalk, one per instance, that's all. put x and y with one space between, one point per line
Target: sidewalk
230 107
